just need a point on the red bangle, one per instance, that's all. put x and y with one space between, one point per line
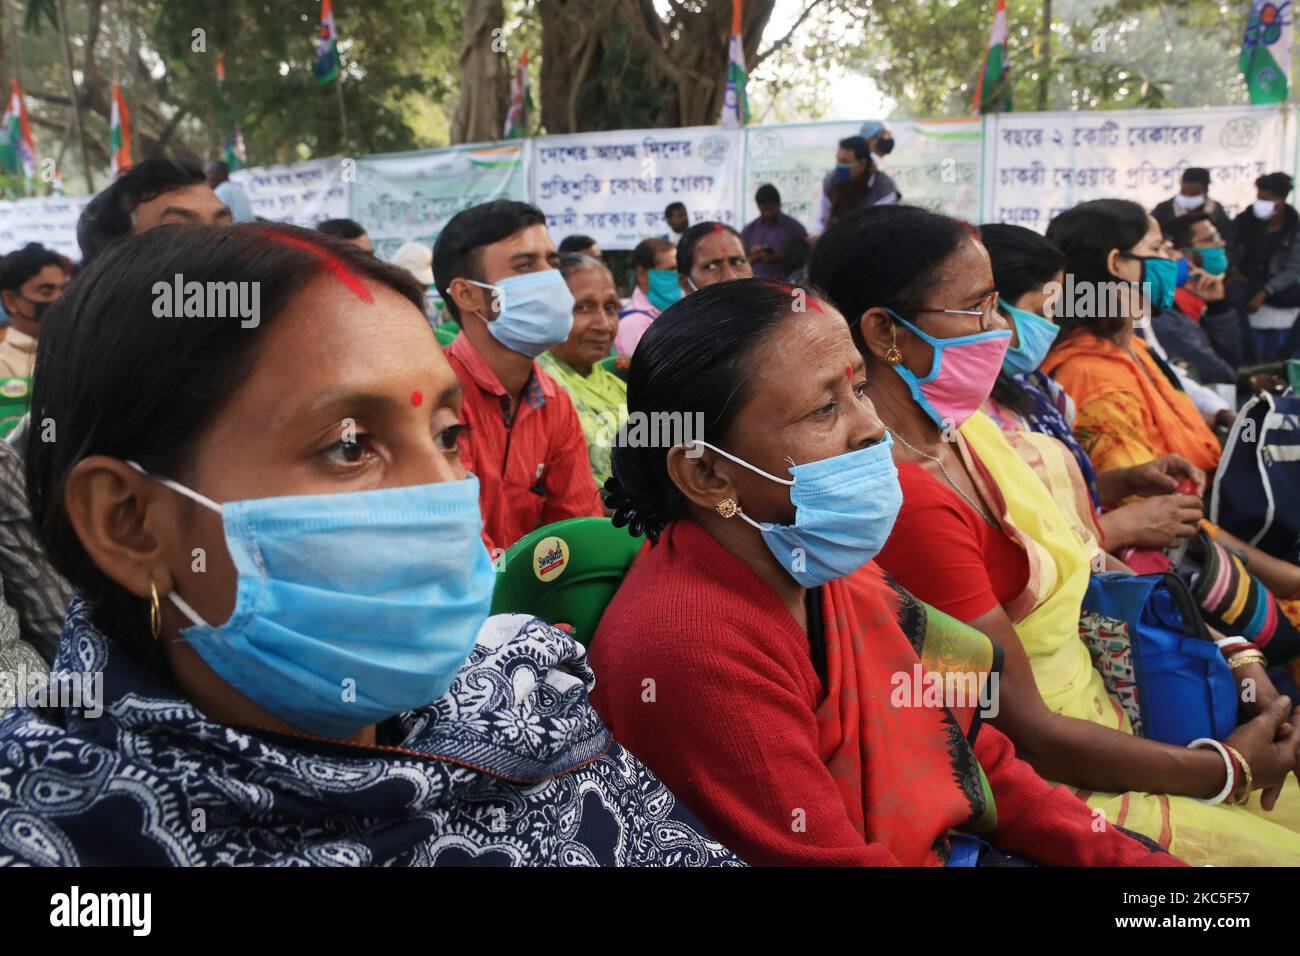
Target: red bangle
1238 775
1238 648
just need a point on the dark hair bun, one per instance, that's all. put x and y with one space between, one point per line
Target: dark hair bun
639 516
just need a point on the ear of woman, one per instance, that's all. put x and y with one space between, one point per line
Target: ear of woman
879 333
699 477
124 520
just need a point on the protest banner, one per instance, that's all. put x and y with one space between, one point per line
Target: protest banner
935 163
407 197
49 220
299 193
1040 164
614 186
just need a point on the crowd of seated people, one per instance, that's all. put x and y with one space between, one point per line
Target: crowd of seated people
268 563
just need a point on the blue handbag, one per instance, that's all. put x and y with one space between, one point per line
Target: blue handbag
1157 658
1256 490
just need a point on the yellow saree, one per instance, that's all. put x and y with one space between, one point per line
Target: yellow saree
1046 618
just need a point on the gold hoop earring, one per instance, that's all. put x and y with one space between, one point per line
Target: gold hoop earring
155 612
727 507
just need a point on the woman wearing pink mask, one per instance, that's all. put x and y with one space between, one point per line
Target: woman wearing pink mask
981 537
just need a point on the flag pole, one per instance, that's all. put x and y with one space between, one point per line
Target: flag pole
338 86
13 42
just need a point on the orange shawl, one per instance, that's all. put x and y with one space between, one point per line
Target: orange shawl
905 767
1096 370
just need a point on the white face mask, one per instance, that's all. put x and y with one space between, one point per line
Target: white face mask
1189 202
1264 208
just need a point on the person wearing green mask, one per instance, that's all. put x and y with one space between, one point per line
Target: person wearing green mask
654 272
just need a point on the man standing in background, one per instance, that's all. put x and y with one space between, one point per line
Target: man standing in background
775 243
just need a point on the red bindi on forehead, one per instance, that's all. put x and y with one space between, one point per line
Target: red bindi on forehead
417 397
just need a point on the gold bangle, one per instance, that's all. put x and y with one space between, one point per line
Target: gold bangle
1242 658
1245 768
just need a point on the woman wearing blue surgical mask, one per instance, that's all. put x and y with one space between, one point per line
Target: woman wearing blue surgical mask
283 590
654 280
755 657
985 538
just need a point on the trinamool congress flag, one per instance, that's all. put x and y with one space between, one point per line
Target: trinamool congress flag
327 50
17 149
1266 50
119 134
735 104
993 88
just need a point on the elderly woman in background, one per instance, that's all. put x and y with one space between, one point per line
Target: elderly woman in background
599 396
708 253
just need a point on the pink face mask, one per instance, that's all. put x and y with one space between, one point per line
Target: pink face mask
961 375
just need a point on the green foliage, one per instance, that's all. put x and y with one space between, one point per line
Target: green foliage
926 54
393 53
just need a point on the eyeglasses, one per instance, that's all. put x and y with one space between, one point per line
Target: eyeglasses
988 306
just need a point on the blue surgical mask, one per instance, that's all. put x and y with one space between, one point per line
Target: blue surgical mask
1035 336
1163 276
1214 259
664 288
845 507
351 608
843 171
536 311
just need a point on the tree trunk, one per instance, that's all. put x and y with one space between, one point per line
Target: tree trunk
681 65
484 78
76 99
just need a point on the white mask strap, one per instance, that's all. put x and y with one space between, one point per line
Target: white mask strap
738 461
180 489
188 611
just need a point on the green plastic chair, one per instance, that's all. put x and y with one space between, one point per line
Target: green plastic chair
1293 374
615 364
15 402
446 333
565 573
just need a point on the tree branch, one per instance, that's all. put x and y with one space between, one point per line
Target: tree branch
785 39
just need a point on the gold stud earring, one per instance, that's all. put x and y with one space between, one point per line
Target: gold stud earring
727 507
155 612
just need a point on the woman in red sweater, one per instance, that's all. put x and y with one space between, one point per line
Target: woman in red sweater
756 660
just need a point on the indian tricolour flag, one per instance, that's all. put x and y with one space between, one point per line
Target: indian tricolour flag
993 89
1265 59
517 115
735 103
119 134
327 50
17 149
